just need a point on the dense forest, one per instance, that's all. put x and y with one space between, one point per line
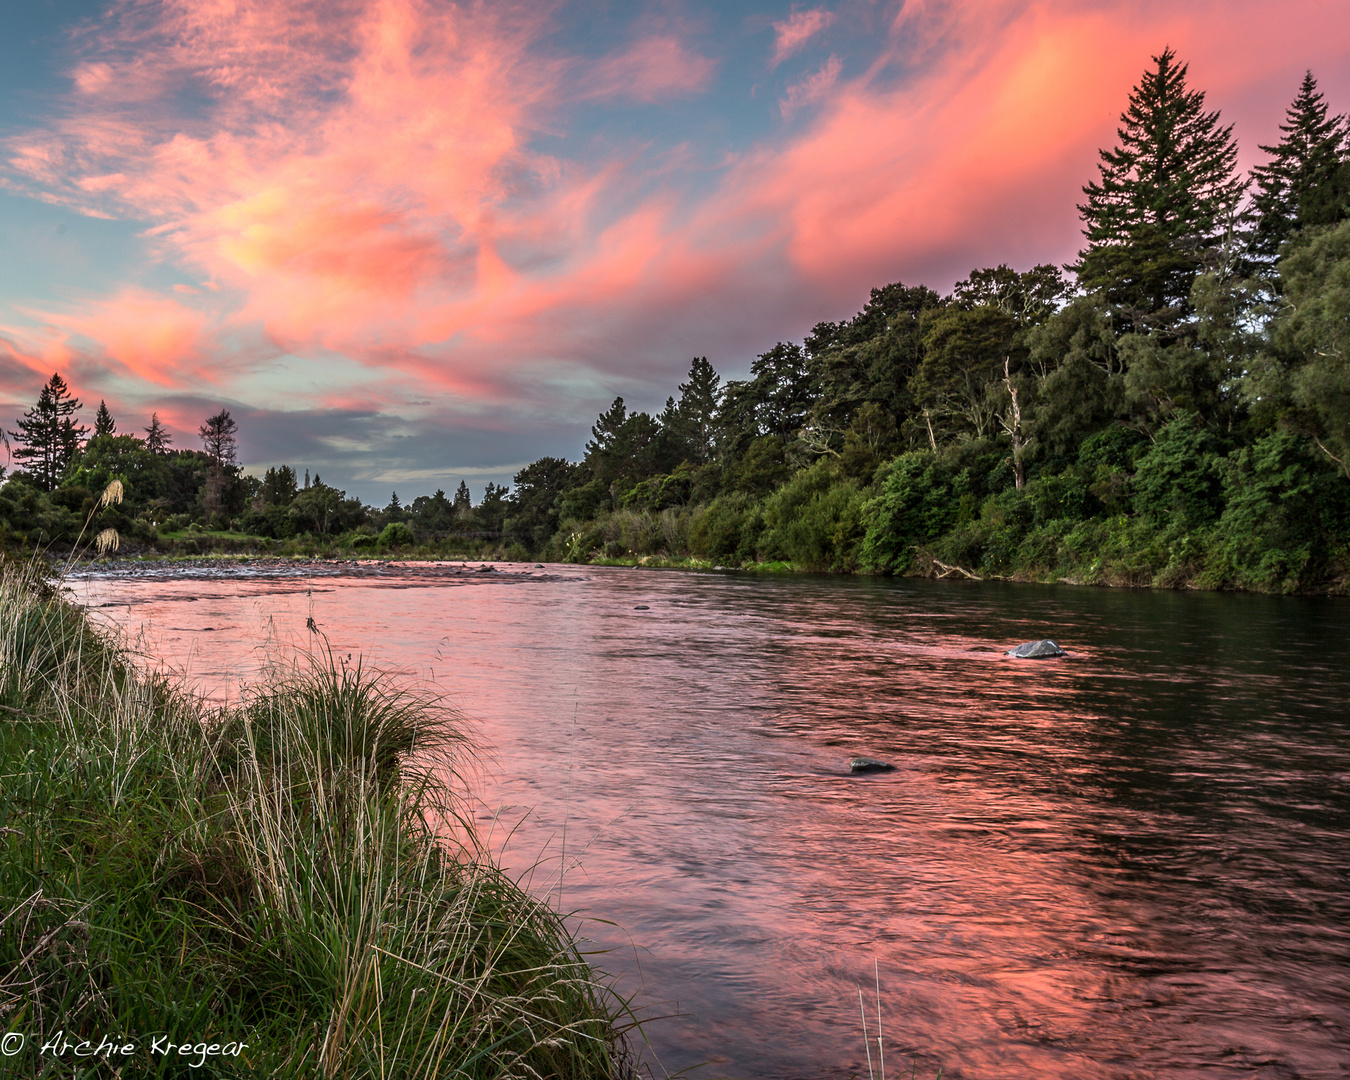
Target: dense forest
1172 409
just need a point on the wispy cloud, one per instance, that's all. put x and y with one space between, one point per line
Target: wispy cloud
811 89
652 69
792 34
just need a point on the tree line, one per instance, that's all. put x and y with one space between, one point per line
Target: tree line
1171 408
170 497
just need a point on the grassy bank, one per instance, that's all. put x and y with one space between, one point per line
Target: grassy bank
284 874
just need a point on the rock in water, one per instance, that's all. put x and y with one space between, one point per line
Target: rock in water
870 765
1036 650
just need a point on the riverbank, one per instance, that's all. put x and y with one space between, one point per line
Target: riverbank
286 888
1162 566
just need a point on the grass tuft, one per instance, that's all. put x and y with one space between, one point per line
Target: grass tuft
296 873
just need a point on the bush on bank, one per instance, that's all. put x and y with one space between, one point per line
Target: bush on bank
295 873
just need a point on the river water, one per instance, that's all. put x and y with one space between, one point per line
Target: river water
1130 862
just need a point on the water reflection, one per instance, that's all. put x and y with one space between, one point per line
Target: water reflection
1128 863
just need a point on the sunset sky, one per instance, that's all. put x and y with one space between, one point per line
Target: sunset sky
407 242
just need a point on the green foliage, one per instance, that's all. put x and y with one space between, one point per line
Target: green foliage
728 529
397 534
957 388
1180 478
1281 505
761 469
1312 341
815 520
914 506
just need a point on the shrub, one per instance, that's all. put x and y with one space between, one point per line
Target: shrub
914 506
815 520
397 534
1180 478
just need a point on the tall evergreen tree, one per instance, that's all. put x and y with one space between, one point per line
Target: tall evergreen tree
1293 189
157 437
48 436
691 423
219 437
1167 199
463 500
104 424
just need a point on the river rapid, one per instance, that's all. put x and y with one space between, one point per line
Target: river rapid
1131 862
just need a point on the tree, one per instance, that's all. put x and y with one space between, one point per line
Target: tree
691 424
492 510
1293 187
218 435
773 402
48 437
279 486
157 438
956 386
104 424
872 357
624 445
1029 298
1167 198
1312 342
538 487
463 501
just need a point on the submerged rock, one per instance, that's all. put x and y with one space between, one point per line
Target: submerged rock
1036 650
641 607
869 765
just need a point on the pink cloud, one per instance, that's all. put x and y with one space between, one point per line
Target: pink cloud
792 34
364 180
136 332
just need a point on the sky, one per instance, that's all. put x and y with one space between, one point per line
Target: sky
409 242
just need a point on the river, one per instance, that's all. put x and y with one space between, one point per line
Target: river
1130 862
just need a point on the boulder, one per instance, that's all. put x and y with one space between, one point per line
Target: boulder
869 765
1036 650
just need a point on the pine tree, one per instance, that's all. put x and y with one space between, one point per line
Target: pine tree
690 425
48 437
157 437
1167 198
218 437
1305 166
104 424
463 501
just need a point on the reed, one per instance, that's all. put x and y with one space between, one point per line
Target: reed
296 872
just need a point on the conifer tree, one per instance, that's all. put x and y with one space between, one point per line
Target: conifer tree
218 437
691 423
157 437
463 501
1166 200
1297 187
104 424
48 437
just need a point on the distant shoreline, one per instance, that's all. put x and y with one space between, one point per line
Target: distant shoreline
925 567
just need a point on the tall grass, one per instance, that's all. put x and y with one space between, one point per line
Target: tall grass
295 872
